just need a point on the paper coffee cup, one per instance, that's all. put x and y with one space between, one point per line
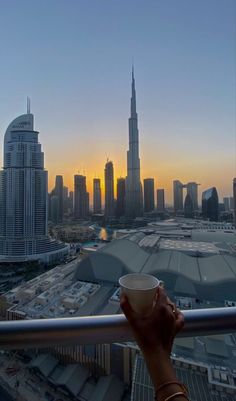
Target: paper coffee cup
140 290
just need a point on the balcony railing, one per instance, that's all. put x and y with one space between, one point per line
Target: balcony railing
19 334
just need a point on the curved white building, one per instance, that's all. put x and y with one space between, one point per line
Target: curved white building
23 197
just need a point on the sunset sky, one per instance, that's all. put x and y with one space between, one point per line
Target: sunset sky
73 58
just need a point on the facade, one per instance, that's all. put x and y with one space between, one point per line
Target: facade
148 186
192 191
109 189
81 197
97 200
178 195
188 206
160 200
210 204
24 196
234 197
226 204
59 193
71 202
120 203
65 199
133 190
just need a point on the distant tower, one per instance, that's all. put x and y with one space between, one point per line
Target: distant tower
58 191
133 190
178 195
65 199
192 190
160 200
234 197
148 191
226 204
97 202
210 204
109 189
188 206
81 197
120 203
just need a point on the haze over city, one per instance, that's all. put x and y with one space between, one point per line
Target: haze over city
74 61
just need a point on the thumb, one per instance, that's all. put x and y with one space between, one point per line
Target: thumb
126 307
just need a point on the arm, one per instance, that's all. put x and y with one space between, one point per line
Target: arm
155 334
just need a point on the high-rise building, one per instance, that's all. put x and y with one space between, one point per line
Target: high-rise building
210 204
148 191
71 202
65 199
234 196
231 203
81 197
192 191
160 200
58 191
109 189
133 190
226 204
178 195
188 206
120 203
97 201
23 196
54 209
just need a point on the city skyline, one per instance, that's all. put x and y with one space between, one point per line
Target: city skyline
80 95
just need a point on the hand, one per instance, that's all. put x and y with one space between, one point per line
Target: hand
155 332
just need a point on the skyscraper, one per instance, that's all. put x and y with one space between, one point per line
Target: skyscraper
120 203
133 190
97 202
210 204
23 196
65 199
109 189
188 206
81 197
226 204
178 195
160 200
192 191
148 191
58 191
234 196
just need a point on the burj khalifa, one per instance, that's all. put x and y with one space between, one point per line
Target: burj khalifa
133 188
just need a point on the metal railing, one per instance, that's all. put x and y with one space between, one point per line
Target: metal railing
19 334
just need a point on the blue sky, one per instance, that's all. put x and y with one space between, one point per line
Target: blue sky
73 58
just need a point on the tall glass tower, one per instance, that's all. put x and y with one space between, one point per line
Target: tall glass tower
133 190
23 195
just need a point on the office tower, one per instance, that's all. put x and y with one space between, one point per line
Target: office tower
58 191
23 196
188 206
160 200
109 189
226 204
148 191
120 202
54 209
231 203
178 195
81 197
65 200
71 202
234 197
192 191
133 190
210 204
97 201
